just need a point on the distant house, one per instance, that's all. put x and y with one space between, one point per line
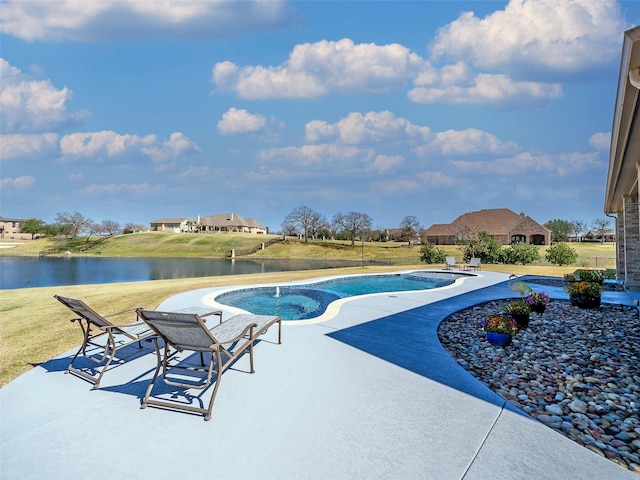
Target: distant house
172 225
229 222
622 198
10 226
399 235
596 235
504 226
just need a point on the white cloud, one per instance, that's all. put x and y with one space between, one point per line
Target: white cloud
18 183
139 189
601 141
357 128
18 145
240 121
176 146
398 186
466 142
320 157
526 162
436 179
83 20
487 89
98 145
30 105
384 163
343 67
315 69
90 144
554 35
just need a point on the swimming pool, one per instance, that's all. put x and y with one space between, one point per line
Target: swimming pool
300 302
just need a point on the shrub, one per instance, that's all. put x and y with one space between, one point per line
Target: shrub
561 254
519 253
481 246
591 276
430 254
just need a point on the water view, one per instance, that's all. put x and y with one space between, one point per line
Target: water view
26 272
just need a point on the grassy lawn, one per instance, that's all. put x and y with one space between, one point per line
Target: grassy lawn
161 244
34 327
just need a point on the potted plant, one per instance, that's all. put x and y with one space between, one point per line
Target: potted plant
585 294
520 311
500 329
594 276
537 301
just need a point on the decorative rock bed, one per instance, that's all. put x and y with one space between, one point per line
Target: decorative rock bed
577 371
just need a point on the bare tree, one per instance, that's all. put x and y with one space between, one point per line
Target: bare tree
75 223
353 223
409 226
110 227
94 229
306 220
577 227
601 225
289 228
132 228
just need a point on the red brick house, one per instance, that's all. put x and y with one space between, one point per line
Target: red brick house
504 225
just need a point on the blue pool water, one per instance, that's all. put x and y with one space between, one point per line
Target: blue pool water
311 300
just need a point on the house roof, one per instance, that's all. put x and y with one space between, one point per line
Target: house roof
229 220
625 138
439 229
495 221
254 223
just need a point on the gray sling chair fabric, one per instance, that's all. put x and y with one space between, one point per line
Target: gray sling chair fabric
450 262
225 342
94 325
474 264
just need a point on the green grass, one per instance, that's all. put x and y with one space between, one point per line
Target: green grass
161 244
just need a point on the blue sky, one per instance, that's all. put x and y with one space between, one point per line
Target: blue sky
138 110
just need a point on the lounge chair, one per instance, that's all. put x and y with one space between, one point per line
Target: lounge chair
450 263
94 325
474 264
225 342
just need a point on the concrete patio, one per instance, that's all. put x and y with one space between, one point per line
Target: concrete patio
370 393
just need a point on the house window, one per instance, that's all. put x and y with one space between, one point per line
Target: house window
518 238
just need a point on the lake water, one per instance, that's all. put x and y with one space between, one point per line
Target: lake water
26 272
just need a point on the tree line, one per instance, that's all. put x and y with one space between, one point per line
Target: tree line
305 222
562 230
75 225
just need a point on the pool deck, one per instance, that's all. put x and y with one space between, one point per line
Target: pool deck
370 393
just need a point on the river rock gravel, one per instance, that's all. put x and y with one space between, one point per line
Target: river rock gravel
575 370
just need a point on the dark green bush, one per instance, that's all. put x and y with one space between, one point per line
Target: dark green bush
561 254
481 246
431 254
519 254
